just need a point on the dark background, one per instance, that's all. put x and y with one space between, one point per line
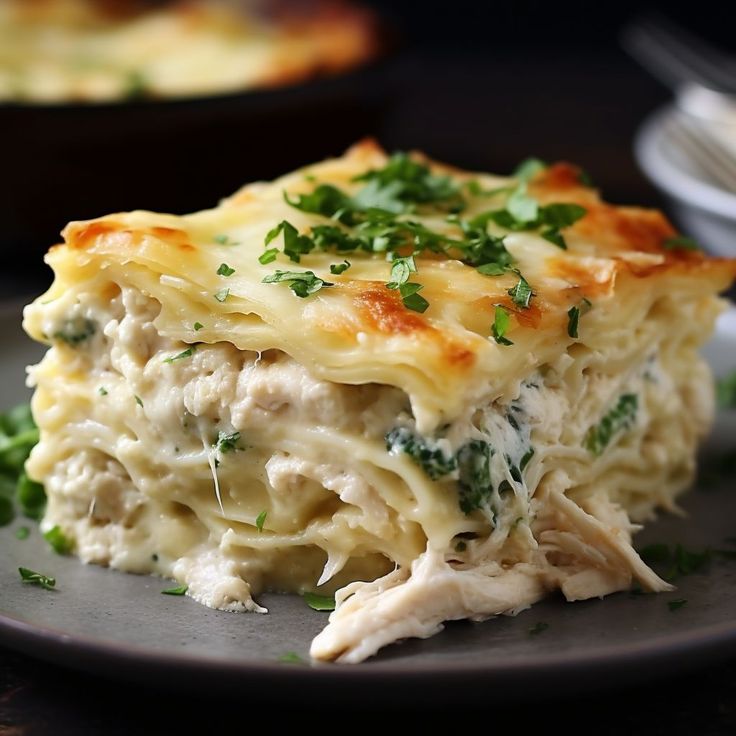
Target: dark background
482 85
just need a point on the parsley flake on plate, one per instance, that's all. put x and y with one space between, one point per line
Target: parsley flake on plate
178 590
36 578
319 602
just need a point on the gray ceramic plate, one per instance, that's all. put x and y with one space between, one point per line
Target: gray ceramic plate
120 625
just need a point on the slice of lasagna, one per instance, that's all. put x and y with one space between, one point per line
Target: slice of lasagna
438 394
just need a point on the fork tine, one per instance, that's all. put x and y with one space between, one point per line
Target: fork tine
714 160
708 61
675 56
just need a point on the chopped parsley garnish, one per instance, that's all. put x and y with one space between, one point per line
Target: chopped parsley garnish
178 590
18 435
59 542
676 604
291 658
22 532
522 293
261 520
138 400
136 85
555 217
521 208
224 239
295 245
501 323
401 270
680 242
585 178
411 299
377 219
198 326
338 268
75 331
36 578
618 419
555 237
319 602
268 256
31 497
225 270
183 354
302 283
529 168
222 295
538 628
410 182
726 391
102 391
7 512
573 317
491 269
227 442
524 212
528 455
432 460
561 214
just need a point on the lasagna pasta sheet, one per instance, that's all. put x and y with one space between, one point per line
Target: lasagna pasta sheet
199 423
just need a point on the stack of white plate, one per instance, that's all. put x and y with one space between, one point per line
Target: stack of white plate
703 207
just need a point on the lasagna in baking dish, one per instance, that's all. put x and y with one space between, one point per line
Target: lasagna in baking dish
434 393
109 50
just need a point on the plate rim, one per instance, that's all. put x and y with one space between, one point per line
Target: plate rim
402 682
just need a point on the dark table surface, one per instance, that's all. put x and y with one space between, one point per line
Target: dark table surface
486 111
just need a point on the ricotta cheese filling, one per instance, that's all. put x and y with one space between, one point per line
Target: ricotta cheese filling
160 457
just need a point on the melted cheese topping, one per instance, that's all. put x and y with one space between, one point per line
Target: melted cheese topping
87 50
459 477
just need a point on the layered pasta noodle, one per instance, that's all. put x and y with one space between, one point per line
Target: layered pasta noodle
437 394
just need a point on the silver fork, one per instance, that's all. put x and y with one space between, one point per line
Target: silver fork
715 161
